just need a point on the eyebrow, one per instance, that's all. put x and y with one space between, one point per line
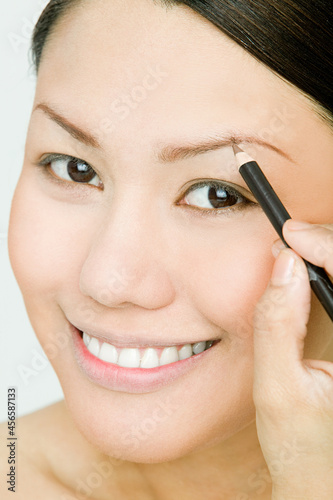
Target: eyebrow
170 154
167 153
80 135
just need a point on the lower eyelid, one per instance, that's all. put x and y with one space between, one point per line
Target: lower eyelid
220 212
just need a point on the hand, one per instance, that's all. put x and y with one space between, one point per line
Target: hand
294 396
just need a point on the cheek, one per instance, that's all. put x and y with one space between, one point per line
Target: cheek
46 246
36 241
227 272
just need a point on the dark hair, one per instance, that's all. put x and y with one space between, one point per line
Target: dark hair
292 37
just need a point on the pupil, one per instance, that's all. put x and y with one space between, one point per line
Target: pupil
80 172
220 198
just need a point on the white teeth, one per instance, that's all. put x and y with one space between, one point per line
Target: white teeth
93 346
108 353
185 352
149 359
169 355
86 339
198 347
129 358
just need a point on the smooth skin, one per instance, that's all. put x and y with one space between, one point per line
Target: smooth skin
137 254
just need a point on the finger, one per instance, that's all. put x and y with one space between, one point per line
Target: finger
277 246
313 242
279 321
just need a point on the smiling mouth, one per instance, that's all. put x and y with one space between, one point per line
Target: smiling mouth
148 357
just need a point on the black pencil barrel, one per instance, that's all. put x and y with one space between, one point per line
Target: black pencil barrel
265 195
277 214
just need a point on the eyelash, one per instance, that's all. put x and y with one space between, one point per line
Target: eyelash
204 212
45 164
215 212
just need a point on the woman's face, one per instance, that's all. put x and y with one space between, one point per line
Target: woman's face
137 252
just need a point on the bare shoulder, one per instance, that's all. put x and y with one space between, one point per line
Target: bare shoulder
25 465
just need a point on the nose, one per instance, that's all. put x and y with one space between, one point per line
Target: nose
127 259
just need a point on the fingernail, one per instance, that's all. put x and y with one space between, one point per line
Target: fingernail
283 268
295 225
277 246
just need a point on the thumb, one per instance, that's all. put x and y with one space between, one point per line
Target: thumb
280 320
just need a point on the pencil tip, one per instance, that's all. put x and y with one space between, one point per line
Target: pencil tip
237 149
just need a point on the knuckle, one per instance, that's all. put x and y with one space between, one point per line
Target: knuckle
272 398
272 311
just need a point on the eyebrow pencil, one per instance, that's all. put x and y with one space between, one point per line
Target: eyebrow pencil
277 214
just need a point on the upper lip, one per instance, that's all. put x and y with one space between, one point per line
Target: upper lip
133 340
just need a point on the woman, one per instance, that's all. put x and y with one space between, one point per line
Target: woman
136 243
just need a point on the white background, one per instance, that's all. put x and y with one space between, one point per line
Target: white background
22 360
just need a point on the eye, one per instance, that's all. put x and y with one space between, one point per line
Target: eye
213 196
72 169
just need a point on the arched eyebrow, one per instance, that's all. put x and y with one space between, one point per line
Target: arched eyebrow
80 135
169 153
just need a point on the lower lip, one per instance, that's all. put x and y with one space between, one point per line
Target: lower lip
132 380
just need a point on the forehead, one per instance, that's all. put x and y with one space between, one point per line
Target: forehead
152 64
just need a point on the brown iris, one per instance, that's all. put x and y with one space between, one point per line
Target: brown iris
80 171
220 198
